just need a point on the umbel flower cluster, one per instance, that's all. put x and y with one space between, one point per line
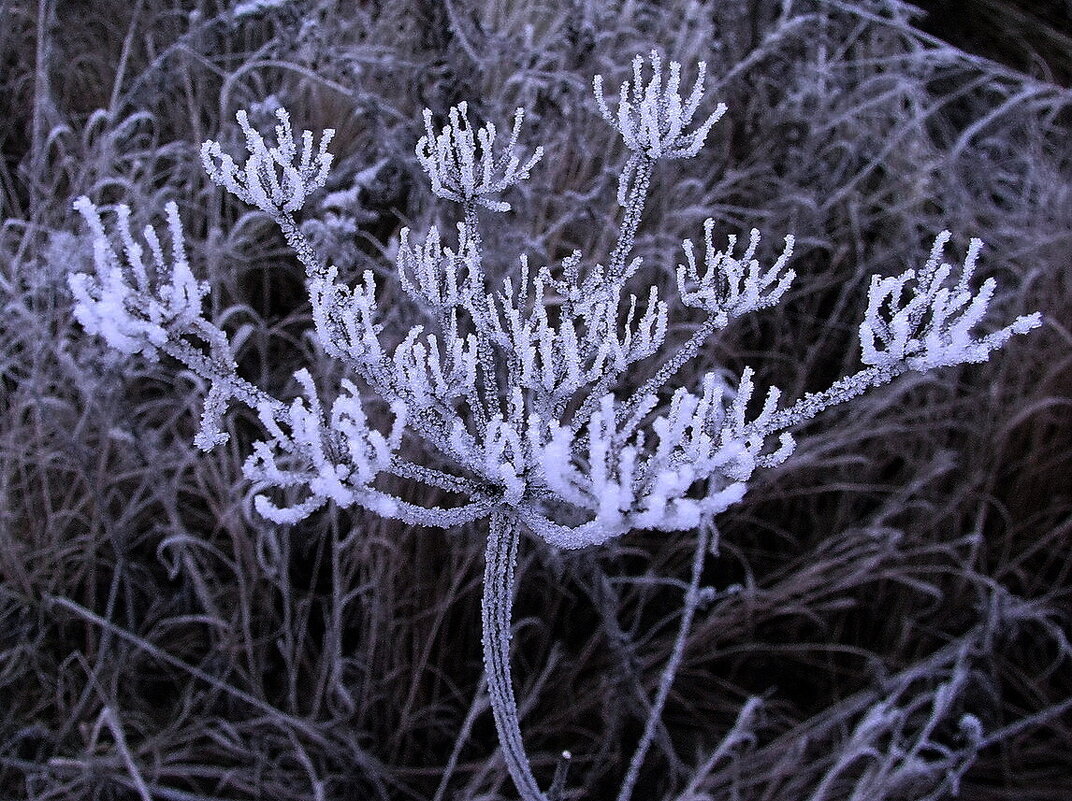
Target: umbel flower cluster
514 389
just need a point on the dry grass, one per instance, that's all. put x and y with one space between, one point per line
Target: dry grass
158 641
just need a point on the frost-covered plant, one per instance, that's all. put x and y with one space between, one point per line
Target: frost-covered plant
514 392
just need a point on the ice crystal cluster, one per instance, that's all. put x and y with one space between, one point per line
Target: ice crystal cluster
513 391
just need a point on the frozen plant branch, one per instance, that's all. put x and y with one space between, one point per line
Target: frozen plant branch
462 164
652 118
919 321
126 302
545 402
156 308
730 286
276 179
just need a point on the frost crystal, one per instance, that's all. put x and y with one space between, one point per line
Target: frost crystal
652 118
462 164
130 304
334 458
916 319
730 286
274 179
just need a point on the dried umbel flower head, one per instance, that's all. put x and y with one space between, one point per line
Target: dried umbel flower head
521 397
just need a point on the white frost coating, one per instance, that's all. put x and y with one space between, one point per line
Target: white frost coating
462 165
332 458
434 275
698 463
652 117
514 387
730 286
128 303
918 320
276 180
913 321
598 331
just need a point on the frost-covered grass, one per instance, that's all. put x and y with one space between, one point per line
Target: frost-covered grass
895 596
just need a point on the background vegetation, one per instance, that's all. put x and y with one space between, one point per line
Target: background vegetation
905 574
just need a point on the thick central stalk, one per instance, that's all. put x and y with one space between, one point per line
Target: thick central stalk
500 561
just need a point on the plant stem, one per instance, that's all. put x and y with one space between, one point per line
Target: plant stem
641 168
666 681
500 560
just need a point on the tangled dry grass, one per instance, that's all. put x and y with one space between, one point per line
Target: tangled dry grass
908 572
